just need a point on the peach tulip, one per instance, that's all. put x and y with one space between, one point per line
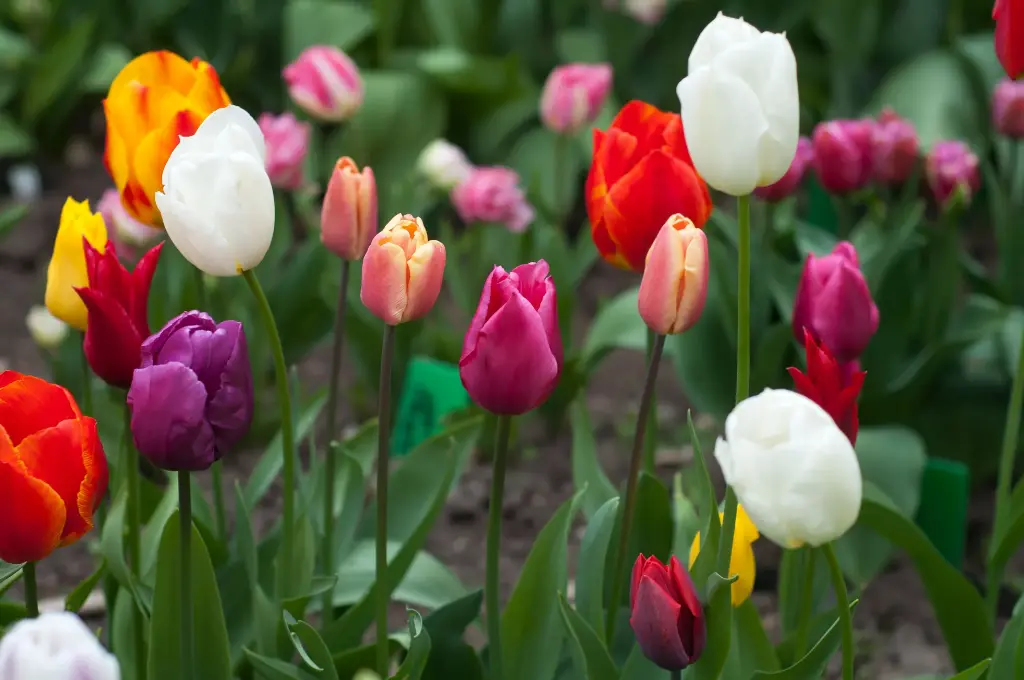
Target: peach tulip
402 271
675 282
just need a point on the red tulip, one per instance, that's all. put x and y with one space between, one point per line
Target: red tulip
1009 18
831 385
666 615
843 159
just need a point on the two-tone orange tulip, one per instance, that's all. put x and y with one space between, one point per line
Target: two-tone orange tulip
674 287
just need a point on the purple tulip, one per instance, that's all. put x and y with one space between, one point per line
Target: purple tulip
512 355
192 397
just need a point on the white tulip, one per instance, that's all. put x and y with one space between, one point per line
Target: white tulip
55 646
47 330
740 106
444 164
217 203
792 468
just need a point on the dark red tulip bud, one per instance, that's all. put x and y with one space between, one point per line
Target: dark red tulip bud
666 614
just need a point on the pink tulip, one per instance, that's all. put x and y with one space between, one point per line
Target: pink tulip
325 83
842 154
675 282
348 218
402 271
512 354
645 11
790 182
287 142
492 194
952 170
127 233
1008 108
894 147
573 96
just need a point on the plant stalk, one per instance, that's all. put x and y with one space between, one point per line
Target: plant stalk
187 608
843 603
383 451
493 575
28 574
86 381
806 605
130 460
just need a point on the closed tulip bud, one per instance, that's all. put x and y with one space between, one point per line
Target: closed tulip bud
573 96
894 148
512 354
349 214
740 106
55 646
790 182
1008 108
402 271
1009 18
647 12
843 159
665 613
492 194
830 385
192 397
325 83
47 330
834 303
287 142
217 202
741 561
791 467
953 174
675 282
444 165
67 269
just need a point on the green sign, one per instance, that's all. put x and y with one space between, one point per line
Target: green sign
942 513
432 390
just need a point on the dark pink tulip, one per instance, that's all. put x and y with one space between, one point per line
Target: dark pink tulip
665 613
843 154
951 168
790 182
1008 108
895 148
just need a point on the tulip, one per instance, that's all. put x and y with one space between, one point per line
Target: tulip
118 304
1009 37
349 214
675 282
512 354
125 231
790 182
573 96
665 614
402 271
157 98
952 172
894 148
444 165
493 195
843 151
834 303
741 560
1008 109
46 330
55 646
640 175
287 142
791 467
325 83
53 472
740 106
830 385
217 202
67 269
192 397
647 12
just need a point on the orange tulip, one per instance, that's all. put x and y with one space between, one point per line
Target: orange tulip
53 472
155 99
675 282
641 174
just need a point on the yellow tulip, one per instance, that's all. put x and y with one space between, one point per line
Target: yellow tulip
742 560
67 269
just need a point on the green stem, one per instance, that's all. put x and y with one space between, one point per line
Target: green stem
332 432
284 580
635 460
383 431
217 474
651 438
493 581
806 605
843 603
187 608
562 150
130 460
675 675
86 381
28 574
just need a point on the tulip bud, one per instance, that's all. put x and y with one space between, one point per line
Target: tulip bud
349 214
665 613
55 646
894 148
444 165
512 354
952 172
192 398
126 231
790 182
740 106
402 271
741 560
1009 46
647 12
493 195
573 96
325 83
47 330
218 203
1008 109
675 281
834 303
287 142
830 385
791 467
843 154
67 269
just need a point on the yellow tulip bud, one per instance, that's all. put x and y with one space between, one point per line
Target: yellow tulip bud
67 269
741 562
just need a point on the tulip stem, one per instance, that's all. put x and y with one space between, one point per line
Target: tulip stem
383 432
131 471
493 580
676 674
187 610
28 573
86 382
806 605
284 580
635 461
843 603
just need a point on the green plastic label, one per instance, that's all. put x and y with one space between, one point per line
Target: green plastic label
432 390
942 513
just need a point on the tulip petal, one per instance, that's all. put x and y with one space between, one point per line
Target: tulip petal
29 404
426 273
384 290
162 66
661 285
112 343
141 282
33 514
653 621
168 404
229 411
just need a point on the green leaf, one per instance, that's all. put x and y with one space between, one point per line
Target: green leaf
754 651
312 649
594 554
106 63
77 597
212 658
302 560
589 653
55 70
269 466
342 24
14 140
11 216
427 583
415 661
586 468
15 49
273 669
125 621
812 666
1008 658
719 629
303 315
451 656
453 22
462 72
9 575
1007 537
639 667
245 541
705 357
975 672
112 545
617 325
704 565
154 529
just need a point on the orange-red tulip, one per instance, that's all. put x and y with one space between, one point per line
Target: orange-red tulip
641 174
675 283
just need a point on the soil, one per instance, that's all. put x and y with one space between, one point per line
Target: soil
897 633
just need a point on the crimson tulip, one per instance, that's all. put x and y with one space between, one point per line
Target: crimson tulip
666 615
1009 18
831 385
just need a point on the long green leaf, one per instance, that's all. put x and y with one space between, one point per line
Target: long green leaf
77 597
719 630
269 466
974 672
586 468
593 556
591 657
1008 659
812 666
415 661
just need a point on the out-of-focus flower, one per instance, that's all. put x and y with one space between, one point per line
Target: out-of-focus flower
365 674
123 229
641 175
118 304
217 200
402 271
325 83
47 330
834 303
348 218
444 165
791 467
952 172
1008 108
647 12
741 561
665 613
830 385
55 646
843 154
512 353
67 269
674 286
894 148
573 96
53 472
790 182
155 99
492 194
192 397
1009 37
287 141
